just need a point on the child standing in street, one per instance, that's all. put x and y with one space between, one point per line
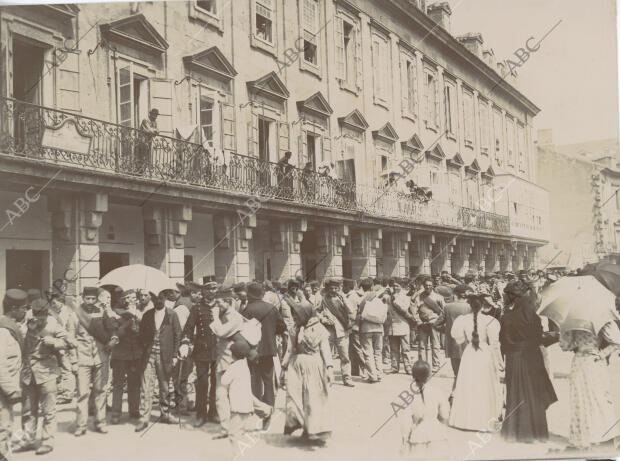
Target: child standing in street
422 423
239 384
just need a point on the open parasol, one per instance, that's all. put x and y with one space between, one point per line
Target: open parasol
138 276
609 275
578 303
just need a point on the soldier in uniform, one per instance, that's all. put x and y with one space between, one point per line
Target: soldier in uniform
198 335
44 339
14 306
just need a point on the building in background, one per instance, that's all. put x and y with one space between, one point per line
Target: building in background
372 87
584 207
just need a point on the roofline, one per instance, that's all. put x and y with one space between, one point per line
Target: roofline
432 28
522 179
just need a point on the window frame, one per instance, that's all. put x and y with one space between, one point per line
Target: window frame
255 40
211 19
351 83
432 125
452 117
483 112
382 64
303 64
469 118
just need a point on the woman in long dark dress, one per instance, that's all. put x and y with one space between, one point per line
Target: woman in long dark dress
529 391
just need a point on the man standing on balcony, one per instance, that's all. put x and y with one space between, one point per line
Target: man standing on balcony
285 178
150 130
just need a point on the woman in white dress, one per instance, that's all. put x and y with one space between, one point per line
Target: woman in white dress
478 397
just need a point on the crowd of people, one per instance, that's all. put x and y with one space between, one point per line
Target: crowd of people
215 350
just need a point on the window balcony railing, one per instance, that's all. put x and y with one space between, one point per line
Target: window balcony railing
73 140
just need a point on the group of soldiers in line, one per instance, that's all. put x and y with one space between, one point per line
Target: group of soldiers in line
54 351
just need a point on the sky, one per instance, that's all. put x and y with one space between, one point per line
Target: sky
573 77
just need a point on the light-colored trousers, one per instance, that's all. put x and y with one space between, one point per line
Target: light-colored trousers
97 376
372 347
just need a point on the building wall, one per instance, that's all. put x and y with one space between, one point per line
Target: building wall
571 202
122 231
188 32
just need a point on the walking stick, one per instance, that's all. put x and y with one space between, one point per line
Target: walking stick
178 390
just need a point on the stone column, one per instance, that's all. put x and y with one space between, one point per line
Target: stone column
442 255
396 254
464 249
492 260
422 246
330 241
364 246
75 239
165 228
286 238
232 243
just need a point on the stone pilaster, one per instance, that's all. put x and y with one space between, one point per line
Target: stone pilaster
442 255
464 249
165 227
232 248
421 253
330 241
286 238
75 239
396 254
492 259
364 246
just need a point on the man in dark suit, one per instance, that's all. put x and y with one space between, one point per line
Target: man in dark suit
198 336
160 335
459 306
272 325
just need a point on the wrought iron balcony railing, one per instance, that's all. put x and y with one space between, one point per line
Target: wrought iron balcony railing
69 139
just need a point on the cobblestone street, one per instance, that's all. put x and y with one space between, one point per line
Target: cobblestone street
358 413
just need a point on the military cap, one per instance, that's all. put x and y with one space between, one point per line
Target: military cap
13 298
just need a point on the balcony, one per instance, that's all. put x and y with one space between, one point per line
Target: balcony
72 140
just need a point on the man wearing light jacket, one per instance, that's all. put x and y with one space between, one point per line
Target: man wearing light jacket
371 334
398 328
428 310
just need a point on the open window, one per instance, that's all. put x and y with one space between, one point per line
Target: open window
310 30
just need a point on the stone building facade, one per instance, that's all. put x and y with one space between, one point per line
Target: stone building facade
379 89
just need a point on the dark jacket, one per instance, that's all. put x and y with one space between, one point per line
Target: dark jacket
127 328
198 333
271 322
169 337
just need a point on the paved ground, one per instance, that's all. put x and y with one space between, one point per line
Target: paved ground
358 413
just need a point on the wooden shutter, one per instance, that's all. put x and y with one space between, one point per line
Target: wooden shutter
253 136
437 96
303 149
376 64
124 81
69 82
161 99
283 138
425 89
339 30
404 85
228 126
326 154
358 57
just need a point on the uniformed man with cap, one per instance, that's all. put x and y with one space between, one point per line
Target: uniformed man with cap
14 306
44 338
198 336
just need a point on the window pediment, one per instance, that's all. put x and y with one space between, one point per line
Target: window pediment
355 121
456 161
386 133
137 31
436 153
474 167
412 144
315 104
66 10
212 61
489 172
270 85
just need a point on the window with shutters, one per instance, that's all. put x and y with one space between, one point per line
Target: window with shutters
450 110
521 148
430 100
381 70
455 187
469 117
206 121
408 85
348 52
498 132
133 96
510 141
310 30
484 128
472 192
264 35
313 142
